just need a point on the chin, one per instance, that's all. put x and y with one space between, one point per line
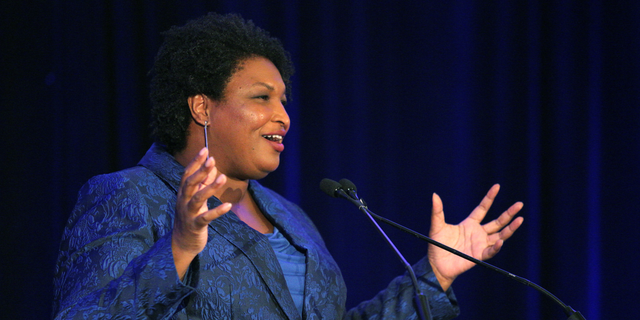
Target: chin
265 171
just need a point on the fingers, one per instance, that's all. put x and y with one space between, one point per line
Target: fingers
507 232
196 163
496 231
208 216
491 251
199 183
198 200
497 224
481 210
195 173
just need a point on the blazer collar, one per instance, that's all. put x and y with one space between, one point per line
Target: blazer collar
163 165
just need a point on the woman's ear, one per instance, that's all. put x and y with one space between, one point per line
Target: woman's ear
199 107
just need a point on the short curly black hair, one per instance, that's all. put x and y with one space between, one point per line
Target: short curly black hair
200 58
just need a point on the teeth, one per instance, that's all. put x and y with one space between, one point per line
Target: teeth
273 137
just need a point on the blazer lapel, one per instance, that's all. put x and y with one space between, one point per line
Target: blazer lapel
324 287
256 247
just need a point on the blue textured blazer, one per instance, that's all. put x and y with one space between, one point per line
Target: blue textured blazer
115 259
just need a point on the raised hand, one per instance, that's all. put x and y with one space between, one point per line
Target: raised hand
199 183
481 241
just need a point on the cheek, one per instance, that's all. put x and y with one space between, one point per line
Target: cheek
254 119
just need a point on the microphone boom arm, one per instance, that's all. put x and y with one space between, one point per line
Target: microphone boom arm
567 309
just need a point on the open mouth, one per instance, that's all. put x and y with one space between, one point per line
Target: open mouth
273 137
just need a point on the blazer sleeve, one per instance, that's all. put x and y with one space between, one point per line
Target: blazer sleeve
115 257
397 300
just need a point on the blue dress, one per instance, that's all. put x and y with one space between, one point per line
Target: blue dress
115 260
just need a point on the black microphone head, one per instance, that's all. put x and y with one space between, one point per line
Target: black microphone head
346 183
330 187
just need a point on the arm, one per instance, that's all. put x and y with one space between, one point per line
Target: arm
113 260
199 182
481 241
123 253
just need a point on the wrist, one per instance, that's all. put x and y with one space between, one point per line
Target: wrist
445 282
181 258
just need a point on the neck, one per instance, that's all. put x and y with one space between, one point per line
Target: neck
195 142
234 191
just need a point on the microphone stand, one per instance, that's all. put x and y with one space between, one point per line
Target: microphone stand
422 304
353 197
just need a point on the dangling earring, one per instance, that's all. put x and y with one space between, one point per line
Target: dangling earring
206 137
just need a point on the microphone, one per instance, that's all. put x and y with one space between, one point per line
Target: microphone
346 183
330 187
350 187
345 189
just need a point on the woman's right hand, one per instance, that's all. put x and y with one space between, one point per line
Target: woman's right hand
198 184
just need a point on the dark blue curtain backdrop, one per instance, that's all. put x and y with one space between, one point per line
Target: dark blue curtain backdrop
404 98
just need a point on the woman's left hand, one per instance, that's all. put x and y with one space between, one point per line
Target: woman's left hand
481 241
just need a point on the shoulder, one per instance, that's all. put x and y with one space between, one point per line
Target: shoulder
133 182
119 179
132 197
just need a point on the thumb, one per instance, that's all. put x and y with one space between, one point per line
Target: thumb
437 214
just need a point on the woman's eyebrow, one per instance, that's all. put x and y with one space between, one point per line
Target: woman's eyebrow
266 85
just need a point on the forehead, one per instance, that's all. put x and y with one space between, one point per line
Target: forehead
257 69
